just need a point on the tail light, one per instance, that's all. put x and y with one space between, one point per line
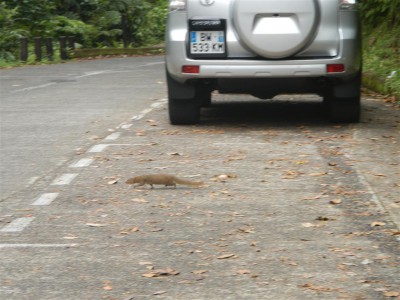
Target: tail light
335 68
190 69
177 5
348 4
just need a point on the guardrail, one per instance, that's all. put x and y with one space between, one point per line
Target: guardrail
66 45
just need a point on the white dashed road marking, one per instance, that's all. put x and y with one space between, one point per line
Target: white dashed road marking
141 115
101 147
33 87
17 225
126 126
113 136
64 179
45 199
84 162
20 224
98 148
32 180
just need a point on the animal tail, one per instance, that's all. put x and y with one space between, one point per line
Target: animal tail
188 182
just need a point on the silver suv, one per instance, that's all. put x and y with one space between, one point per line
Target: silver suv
263 48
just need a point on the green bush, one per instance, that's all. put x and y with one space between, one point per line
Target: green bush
376 12
152 30
9 33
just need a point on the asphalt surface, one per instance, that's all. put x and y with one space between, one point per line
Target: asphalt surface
293 207
49 112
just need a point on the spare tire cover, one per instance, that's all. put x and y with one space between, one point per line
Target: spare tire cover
275 28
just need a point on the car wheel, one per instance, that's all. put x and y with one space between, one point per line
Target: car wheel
203 93
344 110
183 102
183 112
344 101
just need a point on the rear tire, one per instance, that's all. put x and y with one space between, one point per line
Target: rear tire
203 93
344 101
183 111
344 110
183 103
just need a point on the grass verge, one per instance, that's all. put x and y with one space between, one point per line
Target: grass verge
381 60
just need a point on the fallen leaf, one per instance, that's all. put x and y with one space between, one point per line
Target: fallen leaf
315 197
222 177
233 158
236 214
366 262
150 121
127 231
70 237
225 256
157 229
291 174
322 218
198 272
161 273
113 181
392 294
376 224
301 162
107 286
246 230
335 201
288 261
175 154
170 132
318 174
317 288
159 293
208 131
140 200
95 224
95 137
310 225
380 175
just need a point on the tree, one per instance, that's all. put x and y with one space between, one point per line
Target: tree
376 12
9 33
30 15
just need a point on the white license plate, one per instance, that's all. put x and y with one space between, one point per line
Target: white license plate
207 42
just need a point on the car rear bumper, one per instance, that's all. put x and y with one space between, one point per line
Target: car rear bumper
176 58
349 55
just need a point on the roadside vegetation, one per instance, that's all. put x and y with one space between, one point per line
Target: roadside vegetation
107 27
95 24
381 46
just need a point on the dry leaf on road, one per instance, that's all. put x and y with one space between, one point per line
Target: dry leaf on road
95 224
159 293
161 273
392 294
198 272
107 286
376 224
225 256
335 201
113 181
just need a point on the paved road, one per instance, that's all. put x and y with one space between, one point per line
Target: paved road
48 113
293 207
